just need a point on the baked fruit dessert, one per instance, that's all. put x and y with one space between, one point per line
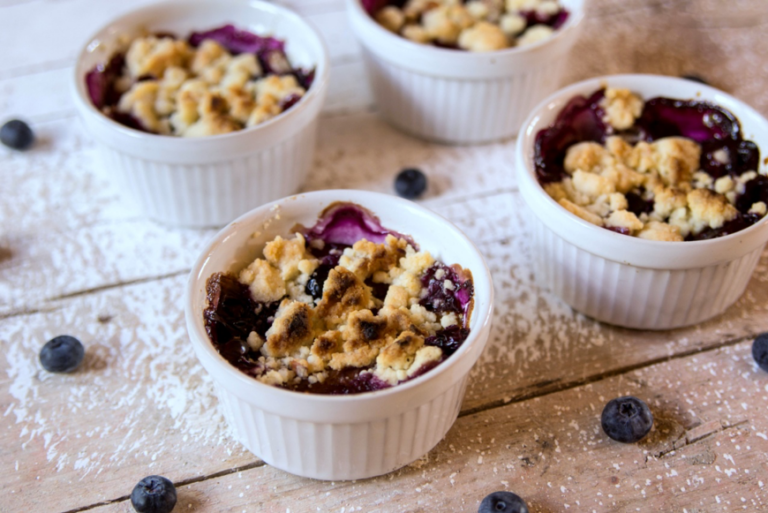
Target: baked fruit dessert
344 307
661 169
213 82
475 25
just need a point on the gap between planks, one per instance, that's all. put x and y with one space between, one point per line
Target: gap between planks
521 397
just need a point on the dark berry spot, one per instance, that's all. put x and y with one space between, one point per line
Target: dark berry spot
503 502
62 354
626 419
410 183
316 281
154 494
695 78
637 205
448 339
760 351
16 134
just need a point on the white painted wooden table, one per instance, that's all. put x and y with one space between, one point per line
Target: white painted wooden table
74 259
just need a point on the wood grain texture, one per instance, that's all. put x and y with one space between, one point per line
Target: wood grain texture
706 453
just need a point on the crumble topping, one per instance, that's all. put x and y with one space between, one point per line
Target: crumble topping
477 25
656 190
347 327
166 85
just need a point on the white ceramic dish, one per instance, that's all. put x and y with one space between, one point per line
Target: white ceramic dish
340 437
208 181
629 281
455 96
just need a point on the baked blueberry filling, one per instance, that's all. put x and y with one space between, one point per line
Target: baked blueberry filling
663 169
398 339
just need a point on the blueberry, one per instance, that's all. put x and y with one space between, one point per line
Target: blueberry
62 354
154 494
410 183
17 135
505 502
695 78
626 419
760 351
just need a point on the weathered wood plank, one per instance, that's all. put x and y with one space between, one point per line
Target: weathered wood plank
159 402
708 452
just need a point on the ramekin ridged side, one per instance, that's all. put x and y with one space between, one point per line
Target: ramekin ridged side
624 280
460 97
340 437
343 451
637 297
208 181
212 194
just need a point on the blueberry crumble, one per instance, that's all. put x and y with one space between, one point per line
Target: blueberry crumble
344 307
473 25
663 169
210 83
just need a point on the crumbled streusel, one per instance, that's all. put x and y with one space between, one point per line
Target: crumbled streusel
664 174
167 86
477 25
347 327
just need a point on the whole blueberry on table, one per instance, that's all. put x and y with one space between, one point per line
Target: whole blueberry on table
626 419
154 494
410 183
62 354
503 502
760 351
695 78
17 135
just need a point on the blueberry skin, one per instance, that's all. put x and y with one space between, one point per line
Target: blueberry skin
695 78
626 419
154 494
410 183
62 354
760 351
16 134
503 502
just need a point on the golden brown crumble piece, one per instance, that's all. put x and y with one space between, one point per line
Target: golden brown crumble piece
264 281
655 230
709 209
343 293
294 326
327 344
286 255
622 107
586 156
363 325
676 158
399 354
366 258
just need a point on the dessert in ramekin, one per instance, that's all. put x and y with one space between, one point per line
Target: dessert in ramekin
665 154
460 97
475 26
352 435
241 162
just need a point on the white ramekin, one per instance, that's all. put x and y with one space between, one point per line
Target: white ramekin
629 281
208 181
340 437
460 97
